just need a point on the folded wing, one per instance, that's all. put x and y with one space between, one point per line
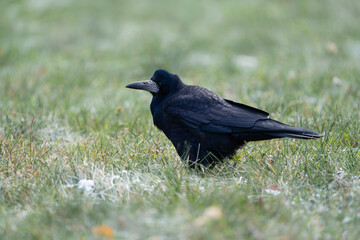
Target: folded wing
208 112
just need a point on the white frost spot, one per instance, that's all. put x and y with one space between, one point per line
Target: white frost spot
86 185
245 62
53 133
204 59
337 81
273 192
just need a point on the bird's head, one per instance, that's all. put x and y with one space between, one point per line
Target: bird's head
161 83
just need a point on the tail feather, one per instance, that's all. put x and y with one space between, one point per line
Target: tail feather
269 129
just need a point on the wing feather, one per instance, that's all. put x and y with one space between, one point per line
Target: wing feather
207 111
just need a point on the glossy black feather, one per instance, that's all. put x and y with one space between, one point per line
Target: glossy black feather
206 128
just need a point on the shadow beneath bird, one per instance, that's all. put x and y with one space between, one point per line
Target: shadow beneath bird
204 127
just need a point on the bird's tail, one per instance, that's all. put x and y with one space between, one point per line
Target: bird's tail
269 129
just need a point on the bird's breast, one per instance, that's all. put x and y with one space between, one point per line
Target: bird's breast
159 118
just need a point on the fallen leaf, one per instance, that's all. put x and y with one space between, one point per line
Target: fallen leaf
210 214
331 47
103 231
273 187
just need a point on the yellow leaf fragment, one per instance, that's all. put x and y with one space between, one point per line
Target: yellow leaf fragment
103 231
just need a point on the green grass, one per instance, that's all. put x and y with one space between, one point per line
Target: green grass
65 116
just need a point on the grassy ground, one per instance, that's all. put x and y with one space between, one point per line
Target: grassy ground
65 117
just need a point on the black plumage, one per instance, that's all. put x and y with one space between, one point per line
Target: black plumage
204 127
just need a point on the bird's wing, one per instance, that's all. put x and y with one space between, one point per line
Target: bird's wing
206 111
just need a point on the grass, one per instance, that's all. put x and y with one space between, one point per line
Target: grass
65 116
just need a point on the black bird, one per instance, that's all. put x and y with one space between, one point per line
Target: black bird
204 127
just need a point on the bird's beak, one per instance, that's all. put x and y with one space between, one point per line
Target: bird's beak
148 85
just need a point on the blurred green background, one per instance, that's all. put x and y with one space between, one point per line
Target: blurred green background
65 116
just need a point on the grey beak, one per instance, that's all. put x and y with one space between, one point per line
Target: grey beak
148 85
